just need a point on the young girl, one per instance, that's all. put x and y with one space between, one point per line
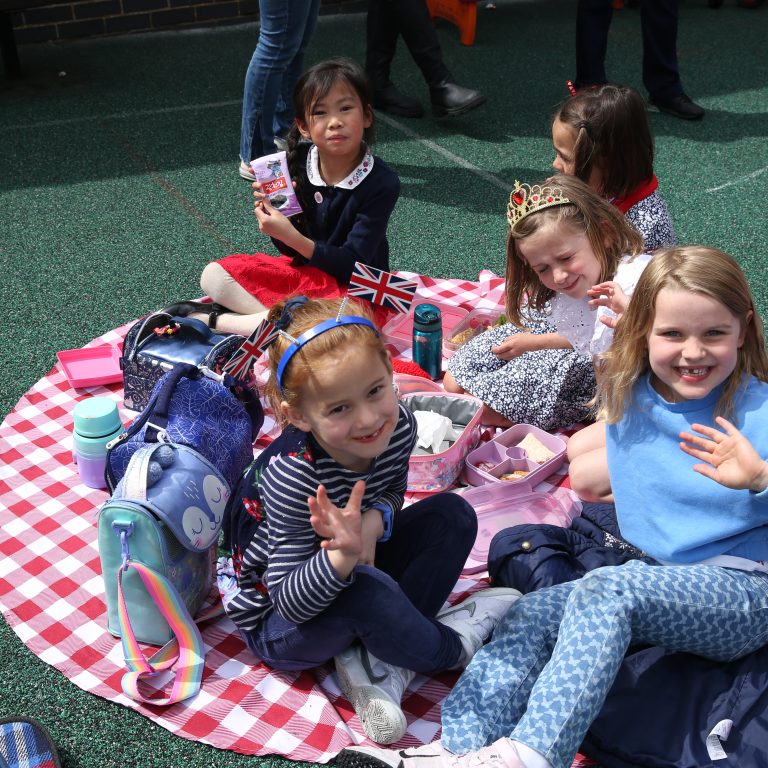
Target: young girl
568 251
602 136
347 196
328 562
691 490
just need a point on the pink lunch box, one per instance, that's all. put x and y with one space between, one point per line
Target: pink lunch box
431 472
501 456
502 505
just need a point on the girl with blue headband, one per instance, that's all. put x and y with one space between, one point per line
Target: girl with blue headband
329 563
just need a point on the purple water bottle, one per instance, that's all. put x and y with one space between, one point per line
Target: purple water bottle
96 423
428 339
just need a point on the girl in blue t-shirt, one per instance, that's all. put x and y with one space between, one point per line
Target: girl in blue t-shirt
683 395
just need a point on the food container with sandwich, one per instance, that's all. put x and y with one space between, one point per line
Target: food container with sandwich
477 321
522 452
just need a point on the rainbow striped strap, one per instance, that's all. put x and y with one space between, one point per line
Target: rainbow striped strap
187 651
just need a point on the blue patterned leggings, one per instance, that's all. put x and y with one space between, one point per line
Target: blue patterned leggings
545 674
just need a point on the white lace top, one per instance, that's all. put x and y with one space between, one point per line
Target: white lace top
581 324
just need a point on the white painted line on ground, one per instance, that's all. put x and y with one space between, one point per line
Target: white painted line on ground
447 154
396 124
741 179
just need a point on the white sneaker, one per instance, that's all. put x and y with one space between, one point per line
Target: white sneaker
375 690
475 619
246 171
500 754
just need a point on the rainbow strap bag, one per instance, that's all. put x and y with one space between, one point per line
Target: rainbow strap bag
157 536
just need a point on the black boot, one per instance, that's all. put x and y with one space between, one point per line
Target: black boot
450 99
390 99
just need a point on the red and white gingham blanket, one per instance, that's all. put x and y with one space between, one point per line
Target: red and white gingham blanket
52 592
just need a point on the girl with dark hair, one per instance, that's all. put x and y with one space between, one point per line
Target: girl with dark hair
347 196
602 136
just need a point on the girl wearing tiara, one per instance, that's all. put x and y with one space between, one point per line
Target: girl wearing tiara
691 490
329 564
569 252
602 136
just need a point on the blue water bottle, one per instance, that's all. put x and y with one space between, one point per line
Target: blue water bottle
428 339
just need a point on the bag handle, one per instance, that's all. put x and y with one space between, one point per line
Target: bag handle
186 647
158 421
197 327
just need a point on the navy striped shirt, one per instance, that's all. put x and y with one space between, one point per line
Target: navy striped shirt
283 567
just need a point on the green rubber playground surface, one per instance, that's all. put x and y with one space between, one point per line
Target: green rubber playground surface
118 183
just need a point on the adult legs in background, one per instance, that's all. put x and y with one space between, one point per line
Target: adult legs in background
661 76
593 20
285 27
547 670
388 19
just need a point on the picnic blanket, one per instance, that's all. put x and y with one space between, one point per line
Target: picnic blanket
52 591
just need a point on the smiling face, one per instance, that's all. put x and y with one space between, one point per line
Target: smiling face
693 344
337 122
349 405
562 258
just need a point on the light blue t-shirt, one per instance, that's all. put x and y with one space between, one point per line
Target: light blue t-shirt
665 508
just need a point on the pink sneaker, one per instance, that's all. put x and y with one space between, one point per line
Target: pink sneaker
500 754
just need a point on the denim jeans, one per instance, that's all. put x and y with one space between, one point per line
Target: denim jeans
387 607
285 28
544 676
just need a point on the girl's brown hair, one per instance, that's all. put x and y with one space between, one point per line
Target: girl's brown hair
610 236
612 135
694 268
320 351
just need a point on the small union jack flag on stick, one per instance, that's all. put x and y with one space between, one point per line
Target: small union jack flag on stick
382 288
250 350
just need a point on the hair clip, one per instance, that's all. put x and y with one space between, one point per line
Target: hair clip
571 88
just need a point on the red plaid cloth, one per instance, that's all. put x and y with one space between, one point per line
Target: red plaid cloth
52 591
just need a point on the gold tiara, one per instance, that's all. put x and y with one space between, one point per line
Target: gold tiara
526 199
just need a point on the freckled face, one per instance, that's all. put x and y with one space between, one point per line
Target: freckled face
350 407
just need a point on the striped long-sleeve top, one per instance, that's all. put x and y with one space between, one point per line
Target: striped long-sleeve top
283 566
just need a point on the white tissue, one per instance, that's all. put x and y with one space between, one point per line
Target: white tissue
433 429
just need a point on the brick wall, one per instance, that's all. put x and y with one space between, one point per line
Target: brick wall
97 18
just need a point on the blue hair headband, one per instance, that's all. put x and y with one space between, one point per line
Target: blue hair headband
313 332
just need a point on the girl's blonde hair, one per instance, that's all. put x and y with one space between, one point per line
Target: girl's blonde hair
694 268
320 350
610 236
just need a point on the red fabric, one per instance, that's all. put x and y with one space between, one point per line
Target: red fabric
636 195
52 588
273 278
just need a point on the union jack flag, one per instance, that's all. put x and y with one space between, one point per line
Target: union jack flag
382 288
250 350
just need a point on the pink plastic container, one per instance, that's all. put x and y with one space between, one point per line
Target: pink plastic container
478 320
502 505
501 456
399 330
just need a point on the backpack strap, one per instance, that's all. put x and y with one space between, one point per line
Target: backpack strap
187 647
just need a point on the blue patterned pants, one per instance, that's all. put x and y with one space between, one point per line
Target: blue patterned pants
553 658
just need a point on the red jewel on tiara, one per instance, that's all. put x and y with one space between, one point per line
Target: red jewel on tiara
519 197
